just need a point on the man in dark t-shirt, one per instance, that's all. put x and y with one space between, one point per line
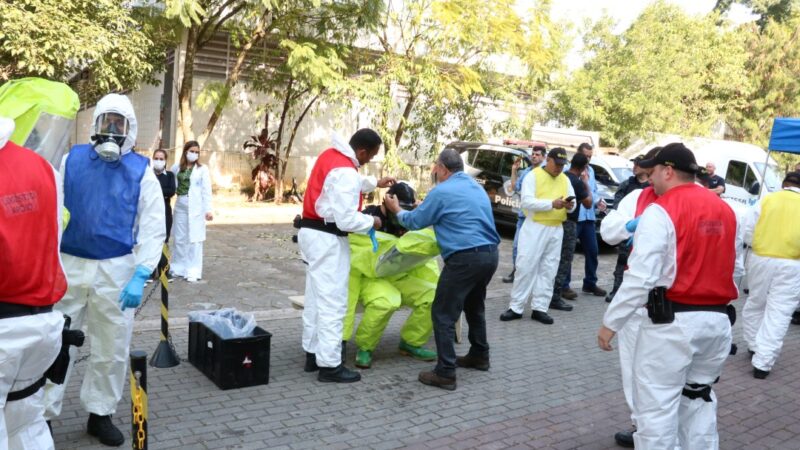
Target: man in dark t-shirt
714 182
579 179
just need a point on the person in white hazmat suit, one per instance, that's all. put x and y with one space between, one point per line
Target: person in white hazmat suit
331 208
773 273
32 281
545 194
110 247
618 227
681 267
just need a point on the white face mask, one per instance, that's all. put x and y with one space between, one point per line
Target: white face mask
159 164
192 157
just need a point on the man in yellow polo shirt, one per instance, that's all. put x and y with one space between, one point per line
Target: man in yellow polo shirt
773 272
547 196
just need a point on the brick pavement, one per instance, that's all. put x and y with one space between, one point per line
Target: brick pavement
549 387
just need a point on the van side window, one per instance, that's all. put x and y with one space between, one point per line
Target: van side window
471 155
735 174
486 161
506 162
750 178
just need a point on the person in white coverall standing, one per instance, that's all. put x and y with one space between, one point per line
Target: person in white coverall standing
681 267
32 281
192 210
110 247
331 210
773 272
547 197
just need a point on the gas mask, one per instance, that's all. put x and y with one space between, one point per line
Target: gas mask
111 130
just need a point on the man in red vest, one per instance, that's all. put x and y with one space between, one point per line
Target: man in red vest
681 267
31 281
331 210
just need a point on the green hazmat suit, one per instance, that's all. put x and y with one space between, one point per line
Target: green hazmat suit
382 296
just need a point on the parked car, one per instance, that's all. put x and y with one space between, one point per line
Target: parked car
490 166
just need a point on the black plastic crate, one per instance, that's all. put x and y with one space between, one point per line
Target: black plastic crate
230 363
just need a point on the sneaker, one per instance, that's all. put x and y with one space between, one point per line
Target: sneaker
473 362
510 315
102 428
569 294
419 353
338 374
433 379
363 359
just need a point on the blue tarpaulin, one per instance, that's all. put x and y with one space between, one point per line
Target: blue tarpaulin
785 135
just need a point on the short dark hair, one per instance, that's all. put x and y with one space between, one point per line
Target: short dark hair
451 160
585 146
579 161
541 149
403 192
366 139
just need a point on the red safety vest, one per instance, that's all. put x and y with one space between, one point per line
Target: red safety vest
705 231
647 197
30 266
328 160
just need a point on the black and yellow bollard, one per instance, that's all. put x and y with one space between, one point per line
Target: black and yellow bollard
165 355
138 384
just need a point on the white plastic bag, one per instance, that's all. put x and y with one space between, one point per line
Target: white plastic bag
228 323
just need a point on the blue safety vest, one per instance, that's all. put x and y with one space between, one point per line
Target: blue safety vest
103 200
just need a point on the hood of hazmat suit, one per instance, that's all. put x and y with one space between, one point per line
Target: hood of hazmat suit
44 112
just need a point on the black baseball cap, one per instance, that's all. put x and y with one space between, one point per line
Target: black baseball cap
675 155
559 155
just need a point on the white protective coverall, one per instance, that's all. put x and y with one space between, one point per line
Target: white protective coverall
189 224
613 231
328 258
93 296
29 346
538 252
690 350
774 292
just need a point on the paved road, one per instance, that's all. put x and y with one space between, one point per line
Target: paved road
549 386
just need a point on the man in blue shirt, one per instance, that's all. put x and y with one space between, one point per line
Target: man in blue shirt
537 159
461 215
587 235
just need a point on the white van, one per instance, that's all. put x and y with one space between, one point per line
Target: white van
739 163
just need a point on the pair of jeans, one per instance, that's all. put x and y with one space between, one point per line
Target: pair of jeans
567 253
623 251
462 287
586 233
520 221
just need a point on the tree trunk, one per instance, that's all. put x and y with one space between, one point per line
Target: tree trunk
261 30
185 92
281 168
283 162
401 128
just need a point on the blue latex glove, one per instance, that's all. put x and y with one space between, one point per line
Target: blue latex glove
374 240
631 225
131 296
630 242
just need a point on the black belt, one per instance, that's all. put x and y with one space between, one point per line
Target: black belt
683 307
321 225
478 249
8 310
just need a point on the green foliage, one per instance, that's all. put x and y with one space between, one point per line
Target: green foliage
56 38
769 10
669 72
442 60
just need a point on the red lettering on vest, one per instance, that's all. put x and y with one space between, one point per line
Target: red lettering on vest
705 231
328 160
29 256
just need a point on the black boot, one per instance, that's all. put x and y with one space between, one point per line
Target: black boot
560 305
102 428
311 363
625 438
510 277
339 374
344 351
